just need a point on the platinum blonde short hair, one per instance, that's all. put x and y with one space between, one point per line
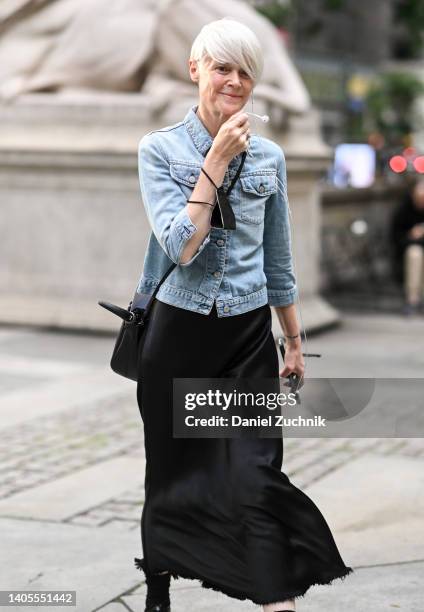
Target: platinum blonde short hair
229 41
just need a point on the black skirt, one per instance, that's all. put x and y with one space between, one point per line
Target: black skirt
221 510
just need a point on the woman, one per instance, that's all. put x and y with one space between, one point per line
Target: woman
221 510
407 239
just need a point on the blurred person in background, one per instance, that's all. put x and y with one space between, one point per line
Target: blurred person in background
407 237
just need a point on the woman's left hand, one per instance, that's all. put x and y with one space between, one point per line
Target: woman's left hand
294 361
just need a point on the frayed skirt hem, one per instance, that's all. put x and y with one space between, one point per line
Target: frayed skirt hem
322 580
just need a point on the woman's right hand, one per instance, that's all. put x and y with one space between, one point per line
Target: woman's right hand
231 137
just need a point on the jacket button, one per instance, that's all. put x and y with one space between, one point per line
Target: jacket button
226 308
217 274
261 188
220 242
192 179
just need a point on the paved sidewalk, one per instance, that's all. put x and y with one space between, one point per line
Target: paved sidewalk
72 466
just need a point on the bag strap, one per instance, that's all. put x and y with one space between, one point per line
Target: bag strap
239 169
164 277
162 280
237 174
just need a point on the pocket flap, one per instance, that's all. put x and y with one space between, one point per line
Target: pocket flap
185 174
260 184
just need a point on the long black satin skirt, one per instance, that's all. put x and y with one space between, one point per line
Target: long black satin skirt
221 510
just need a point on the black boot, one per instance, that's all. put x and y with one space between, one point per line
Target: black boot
157 599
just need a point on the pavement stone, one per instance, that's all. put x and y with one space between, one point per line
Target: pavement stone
45 555
61 444
115 606
64 497
375 500
386 588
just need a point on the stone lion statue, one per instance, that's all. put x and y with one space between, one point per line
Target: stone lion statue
131 46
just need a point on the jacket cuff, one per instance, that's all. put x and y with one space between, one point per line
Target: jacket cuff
282 297
183 230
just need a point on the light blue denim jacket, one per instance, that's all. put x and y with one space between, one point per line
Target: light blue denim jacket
240 269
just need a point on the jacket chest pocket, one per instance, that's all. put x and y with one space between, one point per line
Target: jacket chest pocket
185 175
255 189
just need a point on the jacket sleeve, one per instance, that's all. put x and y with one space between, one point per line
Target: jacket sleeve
165 202
278 260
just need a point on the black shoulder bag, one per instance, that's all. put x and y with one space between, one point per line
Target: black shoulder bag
131 335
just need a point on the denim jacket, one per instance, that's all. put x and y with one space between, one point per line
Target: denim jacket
240 269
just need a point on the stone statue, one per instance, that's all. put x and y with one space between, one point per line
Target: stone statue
132 46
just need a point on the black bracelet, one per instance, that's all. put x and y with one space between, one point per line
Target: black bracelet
206 174
292 337
200 202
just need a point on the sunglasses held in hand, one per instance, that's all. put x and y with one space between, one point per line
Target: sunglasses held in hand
294 382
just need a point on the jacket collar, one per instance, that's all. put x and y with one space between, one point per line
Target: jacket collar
199 134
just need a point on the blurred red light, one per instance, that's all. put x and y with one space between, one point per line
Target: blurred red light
419 164
398 163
